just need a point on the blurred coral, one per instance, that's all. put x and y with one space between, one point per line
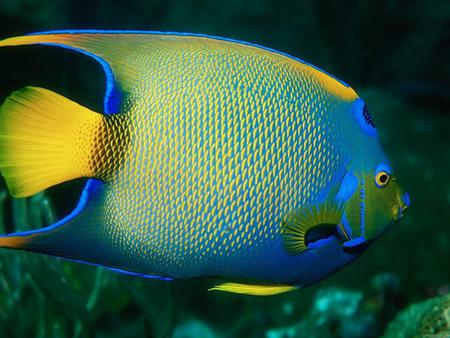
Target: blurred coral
427 319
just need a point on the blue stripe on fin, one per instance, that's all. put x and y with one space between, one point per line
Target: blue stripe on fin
126 272
193 35
113 95
92 188
91 191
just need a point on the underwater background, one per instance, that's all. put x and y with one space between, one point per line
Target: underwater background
395 54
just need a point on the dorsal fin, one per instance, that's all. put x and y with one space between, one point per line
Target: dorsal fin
105 48
126 56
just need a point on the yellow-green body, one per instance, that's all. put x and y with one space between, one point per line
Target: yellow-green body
226 139
213 143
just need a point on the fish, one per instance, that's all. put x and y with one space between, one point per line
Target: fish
212 158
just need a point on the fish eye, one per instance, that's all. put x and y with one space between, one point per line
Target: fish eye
382 179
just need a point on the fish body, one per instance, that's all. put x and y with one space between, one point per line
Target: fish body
213 158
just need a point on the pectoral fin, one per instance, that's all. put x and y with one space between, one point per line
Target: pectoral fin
254 289
314 222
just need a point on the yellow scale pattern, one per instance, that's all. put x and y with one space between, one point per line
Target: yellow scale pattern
108 146
224 139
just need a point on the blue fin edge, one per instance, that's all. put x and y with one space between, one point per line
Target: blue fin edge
111 103
110 75
92 187
348 186
125 272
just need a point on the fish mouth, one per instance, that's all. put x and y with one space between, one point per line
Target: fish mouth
397 212
402 204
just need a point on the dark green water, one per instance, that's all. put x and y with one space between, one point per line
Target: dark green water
395 54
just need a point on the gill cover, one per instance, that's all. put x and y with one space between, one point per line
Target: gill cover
377 202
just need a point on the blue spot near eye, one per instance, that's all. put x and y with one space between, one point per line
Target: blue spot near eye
347 188
362 115
383 167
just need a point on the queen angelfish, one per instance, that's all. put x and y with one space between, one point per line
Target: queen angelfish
213 158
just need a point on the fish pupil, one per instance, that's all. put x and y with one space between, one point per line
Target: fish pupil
367 116
383 178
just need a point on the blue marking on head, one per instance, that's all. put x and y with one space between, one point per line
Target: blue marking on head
362 208
335 180
361 113
193 35
348 185
355 242
384 167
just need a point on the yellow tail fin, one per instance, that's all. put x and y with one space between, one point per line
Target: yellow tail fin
14 242
45 139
